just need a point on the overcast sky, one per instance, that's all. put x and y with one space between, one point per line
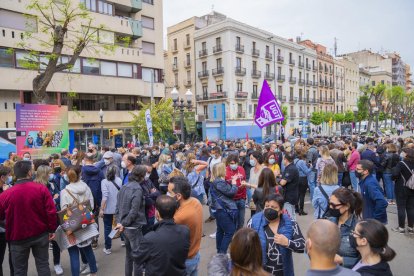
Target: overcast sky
379 25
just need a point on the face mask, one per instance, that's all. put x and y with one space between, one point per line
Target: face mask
168 160
9 179
26 159
352 241
333 213
234 167
74 153
51 177
65 177
225 146
271 161
154 152
403 155
147 175
90 150
123 164
245 147
107 162
252 162
270 214
358 174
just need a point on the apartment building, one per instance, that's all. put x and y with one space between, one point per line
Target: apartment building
408 80
351 81
339 83
398 70
113 83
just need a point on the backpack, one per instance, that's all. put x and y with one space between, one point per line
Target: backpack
410 182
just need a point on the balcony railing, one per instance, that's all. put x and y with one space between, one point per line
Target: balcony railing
240 71
203 53
308 67
308 83
330 100
281 98
218 71
241 95
256 74
292 80
239 48
314 101
280 59
217 49
293 99
321 68
203 74
321 83
301 64
315 68
187 83
315 84
302 115
241 115
218 95
255 52
281 78
269 76
301 81
175 67
292 62
268 56
254 96
326 84
340 99
187 64
293 115
301 100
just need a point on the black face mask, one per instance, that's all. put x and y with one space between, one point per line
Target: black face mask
333 213
270 214
352 241
358 174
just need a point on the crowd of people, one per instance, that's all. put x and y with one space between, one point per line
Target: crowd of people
152 197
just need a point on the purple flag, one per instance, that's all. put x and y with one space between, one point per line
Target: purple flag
268 111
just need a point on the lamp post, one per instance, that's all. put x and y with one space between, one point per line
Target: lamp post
179 104
355 110
280 123
101 114
376 112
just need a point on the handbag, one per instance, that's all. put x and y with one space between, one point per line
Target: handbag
77 216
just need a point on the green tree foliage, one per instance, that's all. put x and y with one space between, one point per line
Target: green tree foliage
317 118
162 121
285 114
339 117
348 117
327 116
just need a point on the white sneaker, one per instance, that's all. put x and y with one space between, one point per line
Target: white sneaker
87 270
213 236
58 269
107 251
122 243
83 267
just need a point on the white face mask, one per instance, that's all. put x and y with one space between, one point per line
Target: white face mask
26 159
107 162
123 164
74 153
147 175
65 177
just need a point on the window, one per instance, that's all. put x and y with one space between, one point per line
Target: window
108 68
76 67
147 73
89 4
7 124
204 66
238 62
279 71
188 75
238 40
254 45
254 65
268 68
147 22
187 58
6 58
175 44
205 91
106 37
218 41
205 109
219 87
14 105
280 91
176 79
22 59
151 2
148 48
291 92
382 82
255 89
175 61
373 83
239 86
90 67
204 46
267 49
5 105
104 7
187 39
18 21
290 73
218 62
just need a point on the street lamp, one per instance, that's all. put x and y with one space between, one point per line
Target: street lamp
355 110
101 114
280 123
179 104
376 112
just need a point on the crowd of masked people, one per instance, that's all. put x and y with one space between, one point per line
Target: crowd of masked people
152 197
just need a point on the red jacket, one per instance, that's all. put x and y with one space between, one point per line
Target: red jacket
241 191
29 211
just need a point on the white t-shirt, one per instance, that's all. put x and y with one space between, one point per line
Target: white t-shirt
211 162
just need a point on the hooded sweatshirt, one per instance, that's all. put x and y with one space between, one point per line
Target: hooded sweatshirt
382 268
93 177
79 190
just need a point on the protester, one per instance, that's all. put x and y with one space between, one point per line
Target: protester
130 217
164 250
189 213
338 156
290 184
304 171
370 238
127 164
164 167
110 187
64 156
224 206
375 205
76 192
271 162
245 256
390 160
266 186
329 180
370 154
5 179
402 172
192 170
234 170
352 162
311 159
325 158
323 241
30 220
256 161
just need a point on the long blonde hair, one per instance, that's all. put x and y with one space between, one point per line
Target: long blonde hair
42 174
329 174
189 166
162 160
219 171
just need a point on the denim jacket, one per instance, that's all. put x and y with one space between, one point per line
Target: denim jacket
350 255
225 192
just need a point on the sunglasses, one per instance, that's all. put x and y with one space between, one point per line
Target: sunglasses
333 205
356 234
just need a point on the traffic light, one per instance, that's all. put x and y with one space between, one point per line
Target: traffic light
111 133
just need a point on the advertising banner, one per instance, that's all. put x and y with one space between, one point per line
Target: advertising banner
189 121
41 129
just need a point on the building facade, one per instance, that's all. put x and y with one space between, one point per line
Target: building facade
113 83
339 82
352 82
398 70
408 80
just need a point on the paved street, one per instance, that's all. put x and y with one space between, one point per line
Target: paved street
113 264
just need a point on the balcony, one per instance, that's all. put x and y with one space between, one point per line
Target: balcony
292 62
301 100
293 115
239 48
254 96
320 68
269 76
203 74
321 83
212 96
281 78
203 53
314 101
268 56
315 84
326 69
240 71
174 50
218 71
308 83
280 59
301 82
175 67
256 74
293 99
255 53
217 49
292 80
331 84
302 115
330 100
241 95
187 64
301 64
187 83
308 67
314 68
187 45
281 98
340 99
241 115
326 84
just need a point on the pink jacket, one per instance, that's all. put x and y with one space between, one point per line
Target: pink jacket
353 161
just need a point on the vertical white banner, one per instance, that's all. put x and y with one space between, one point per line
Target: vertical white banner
149 127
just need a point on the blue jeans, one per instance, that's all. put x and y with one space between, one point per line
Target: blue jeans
312 182
225 230
249 195
191 265
389 186
290 209
241 206
340 177
74 259
354 180
107 220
